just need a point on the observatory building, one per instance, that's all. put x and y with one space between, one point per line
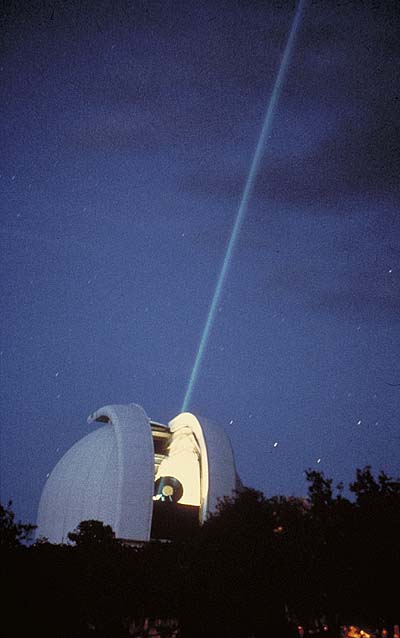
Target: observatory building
145 479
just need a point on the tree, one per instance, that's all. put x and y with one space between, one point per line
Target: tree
377 551
93 534
233 583
319 490
354 549
368 489
13 534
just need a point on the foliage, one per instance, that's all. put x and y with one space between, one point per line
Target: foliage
13 534
92 533
258 567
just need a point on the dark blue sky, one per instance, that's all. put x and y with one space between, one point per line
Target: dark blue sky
128 130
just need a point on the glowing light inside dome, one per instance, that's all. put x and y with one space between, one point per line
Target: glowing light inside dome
182 463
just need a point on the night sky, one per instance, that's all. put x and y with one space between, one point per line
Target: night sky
128 132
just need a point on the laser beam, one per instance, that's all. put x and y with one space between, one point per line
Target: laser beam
244 202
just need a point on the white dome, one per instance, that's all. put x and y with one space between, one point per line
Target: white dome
109 474
81 487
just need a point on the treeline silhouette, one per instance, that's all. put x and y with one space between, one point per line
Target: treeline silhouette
260 567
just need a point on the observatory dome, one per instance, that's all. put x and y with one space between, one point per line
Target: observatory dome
131 471
82 486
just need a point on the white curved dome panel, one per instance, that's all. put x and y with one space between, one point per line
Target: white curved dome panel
108 476
221 463
81 487
217 464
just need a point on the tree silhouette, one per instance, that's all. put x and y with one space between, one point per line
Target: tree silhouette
13 534
92 533
258 567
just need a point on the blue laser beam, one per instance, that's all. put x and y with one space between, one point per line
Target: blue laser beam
244 202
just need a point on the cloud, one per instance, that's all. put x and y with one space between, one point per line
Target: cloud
359 306
358 160
365 293
335 135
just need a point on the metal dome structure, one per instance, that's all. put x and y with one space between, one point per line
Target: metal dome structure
129 471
